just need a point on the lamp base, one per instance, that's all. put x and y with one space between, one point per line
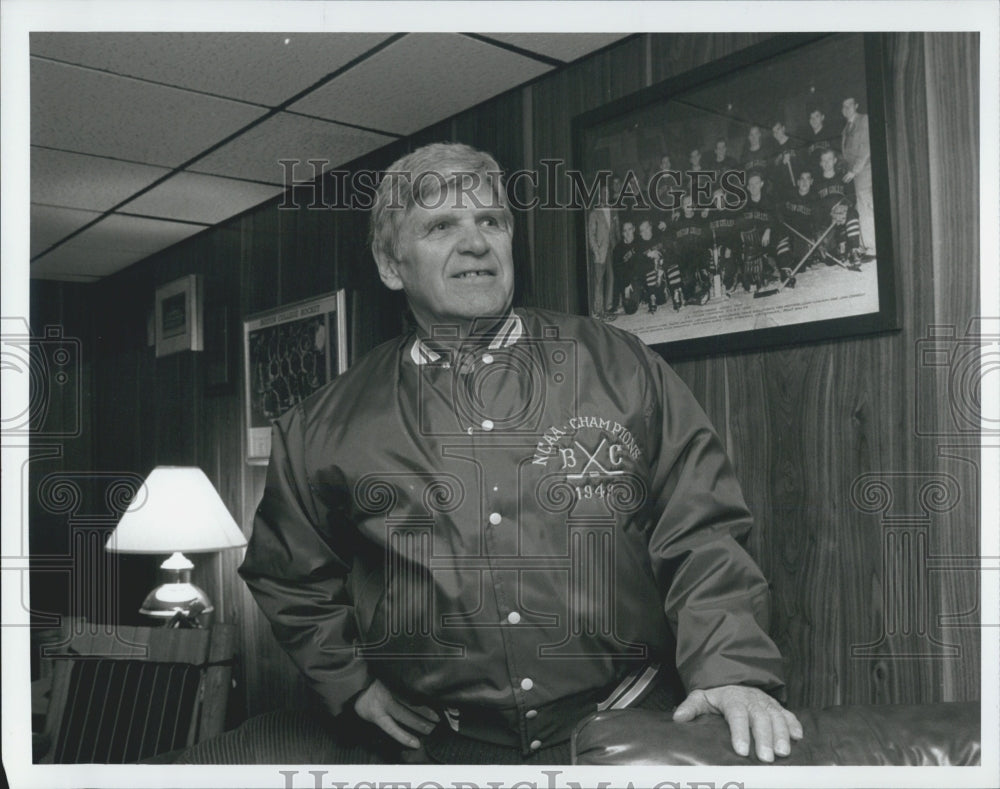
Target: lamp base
178 596
170 599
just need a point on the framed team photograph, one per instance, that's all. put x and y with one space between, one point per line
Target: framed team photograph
290 352
744 204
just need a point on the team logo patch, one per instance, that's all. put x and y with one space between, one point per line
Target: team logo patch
587 448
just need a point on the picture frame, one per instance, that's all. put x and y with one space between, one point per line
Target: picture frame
178 316
715 282
289 352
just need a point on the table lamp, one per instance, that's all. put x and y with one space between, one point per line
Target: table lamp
177 510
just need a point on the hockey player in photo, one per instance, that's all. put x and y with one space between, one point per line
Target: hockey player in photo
784 162
830 186
836 203
665 188
724 242
691 244
843 245
651 270
755 226
798 217
820 137
756 155
698 178
721 162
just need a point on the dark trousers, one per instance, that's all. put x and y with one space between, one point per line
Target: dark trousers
313 737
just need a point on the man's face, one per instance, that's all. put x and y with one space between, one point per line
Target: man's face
628 232
686 204
645 230
664 162
720 150
849 108
695 157
778 130
827 160
805 182
454 260
753 136
816 119
754 185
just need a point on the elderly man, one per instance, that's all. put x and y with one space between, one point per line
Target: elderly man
489 528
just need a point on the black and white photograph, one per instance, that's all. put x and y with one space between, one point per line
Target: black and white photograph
501 395
740 200
291 352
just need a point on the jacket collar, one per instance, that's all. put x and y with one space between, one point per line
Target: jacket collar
502 335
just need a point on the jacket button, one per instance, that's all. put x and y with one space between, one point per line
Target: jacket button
487 358
535 745
531 714
495 518
527 684
487 424
513 617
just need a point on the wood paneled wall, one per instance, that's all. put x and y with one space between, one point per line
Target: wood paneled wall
866 522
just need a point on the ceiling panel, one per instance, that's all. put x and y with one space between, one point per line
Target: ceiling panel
200 198
418 80
562 46
76 109
76 180
50 224
256 67
256 154
112 244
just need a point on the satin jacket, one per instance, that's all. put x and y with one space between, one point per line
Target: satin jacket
505 527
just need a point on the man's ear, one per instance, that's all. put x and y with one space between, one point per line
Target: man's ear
387 269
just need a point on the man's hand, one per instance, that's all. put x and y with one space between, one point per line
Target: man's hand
377 705
746 710
849 177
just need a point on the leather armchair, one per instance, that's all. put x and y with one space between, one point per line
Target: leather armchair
902 735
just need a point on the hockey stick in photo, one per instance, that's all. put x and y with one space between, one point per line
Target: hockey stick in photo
790 277
823 252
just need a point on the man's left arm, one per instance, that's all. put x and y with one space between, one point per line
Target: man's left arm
716 598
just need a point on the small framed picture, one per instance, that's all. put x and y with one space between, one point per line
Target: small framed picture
290 352
178 316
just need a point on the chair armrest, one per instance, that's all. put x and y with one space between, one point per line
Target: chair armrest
903 734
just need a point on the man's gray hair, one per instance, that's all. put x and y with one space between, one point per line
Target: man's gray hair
429 168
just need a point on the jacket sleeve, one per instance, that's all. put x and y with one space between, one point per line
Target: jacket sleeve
715 597
296 568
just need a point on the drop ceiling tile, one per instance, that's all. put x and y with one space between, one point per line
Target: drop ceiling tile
199 198
418 80
256 67
255 155
50 224
76 109
112 244
75 180
562 46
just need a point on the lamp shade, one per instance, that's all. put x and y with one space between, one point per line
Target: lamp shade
176 509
